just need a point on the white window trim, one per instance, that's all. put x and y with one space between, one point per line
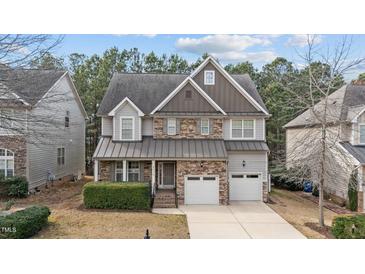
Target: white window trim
205 77
201 126
167 126
139 170
121 128
360 124
64 156
243 137
118 170
7 158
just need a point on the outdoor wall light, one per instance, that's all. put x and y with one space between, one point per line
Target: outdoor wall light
243 163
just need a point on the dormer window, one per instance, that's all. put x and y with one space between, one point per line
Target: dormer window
126 127
209 77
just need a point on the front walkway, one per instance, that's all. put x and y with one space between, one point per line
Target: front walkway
240 220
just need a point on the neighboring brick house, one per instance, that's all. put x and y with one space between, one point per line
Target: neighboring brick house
345 135
198 138
42 126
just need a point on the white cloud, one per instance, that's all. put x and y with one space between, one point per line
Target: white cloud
260 56
219 43
228 47
19 49
301 40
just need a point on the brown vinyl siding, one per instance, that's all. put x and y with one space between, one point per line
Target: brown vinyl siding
197 103
224 93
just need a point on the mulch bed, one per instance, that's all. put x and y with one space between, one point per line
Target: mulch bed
325 231
327 204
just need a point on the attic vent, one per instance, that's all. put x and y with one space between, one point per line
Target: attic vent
188 94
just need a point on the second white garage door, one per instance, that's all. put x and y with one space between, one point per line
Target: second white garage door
245 187
201 190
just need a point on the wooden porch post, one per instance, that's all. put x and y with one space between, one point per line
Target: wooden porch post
153 179
96 170
124 170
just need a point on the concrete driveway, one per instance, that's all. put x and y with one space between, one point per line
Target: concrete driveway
240 220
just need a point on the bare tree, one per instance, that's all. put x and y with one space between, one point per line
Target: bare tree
21 88
314 151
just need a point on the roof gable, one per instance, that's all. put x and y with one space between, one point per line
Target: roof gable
124 102
239 99
203 94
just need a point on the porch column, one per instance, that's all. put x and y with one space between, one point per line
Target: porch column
96 170
124 170
153 179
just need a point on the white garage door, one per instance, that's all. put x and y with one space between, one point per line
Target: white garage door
245 187
201 190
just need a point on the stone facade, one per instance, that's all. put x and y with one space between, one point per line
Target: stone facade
105 170
265 192
188 129
147 171
219 168
18 145
360 201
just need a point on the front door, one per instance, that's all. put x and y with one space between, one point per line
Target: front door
168 175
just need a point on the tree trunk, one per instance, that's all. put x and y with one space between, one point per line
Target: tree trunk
320 204
321 175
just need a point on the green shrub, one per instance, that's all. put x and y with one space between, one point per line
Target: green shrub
117 195
352 192
9 204
14 187
315 191
24 223
349 227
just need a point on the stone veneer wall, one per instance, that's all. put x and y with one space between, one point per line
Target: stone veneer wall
360 201
202 168
188 129
147 171
18 145
105 170
265 192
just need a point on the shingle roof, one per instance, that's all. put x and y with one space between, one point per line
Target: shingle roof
150 148
357 151
343 105
148 90
29 85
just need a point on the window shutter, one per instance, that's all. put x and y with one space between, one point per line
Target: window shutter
211 121
177 126
198 123
164 129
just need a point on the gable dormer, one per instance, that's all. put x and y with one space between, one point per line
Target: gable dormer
127 122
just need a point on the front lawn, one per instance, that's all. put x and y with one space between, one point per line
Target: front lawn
300 212
70 219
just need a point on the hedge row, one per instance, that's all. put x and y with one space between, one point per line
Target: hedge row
14 187
349 227
107 195
286 179
24 223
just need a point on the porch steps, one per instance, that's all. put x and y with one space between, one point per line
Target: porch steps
165 198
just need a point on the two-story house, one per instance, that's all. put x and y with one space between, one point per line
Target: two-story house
345 135
42 126
199 138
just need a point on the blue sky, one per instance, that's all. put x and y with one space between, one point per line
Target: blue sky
258 49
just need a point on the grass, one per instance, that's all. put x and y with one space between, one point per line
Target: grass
70 220
301 213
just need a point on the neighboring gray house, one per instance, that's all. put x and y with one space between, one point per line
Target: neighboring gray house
42 126
198 138
346 134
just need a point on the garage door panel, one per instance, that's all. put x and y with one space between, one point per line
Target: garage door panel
201 190
245 187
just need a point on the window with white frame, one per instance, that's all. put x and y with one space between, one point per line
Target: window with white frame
6 163
209 77
60 156
204 126
171 126
133 171
119 171
362 133
127 124
243 129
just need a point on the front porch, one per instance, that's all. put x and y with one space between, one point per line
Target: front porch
160 174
